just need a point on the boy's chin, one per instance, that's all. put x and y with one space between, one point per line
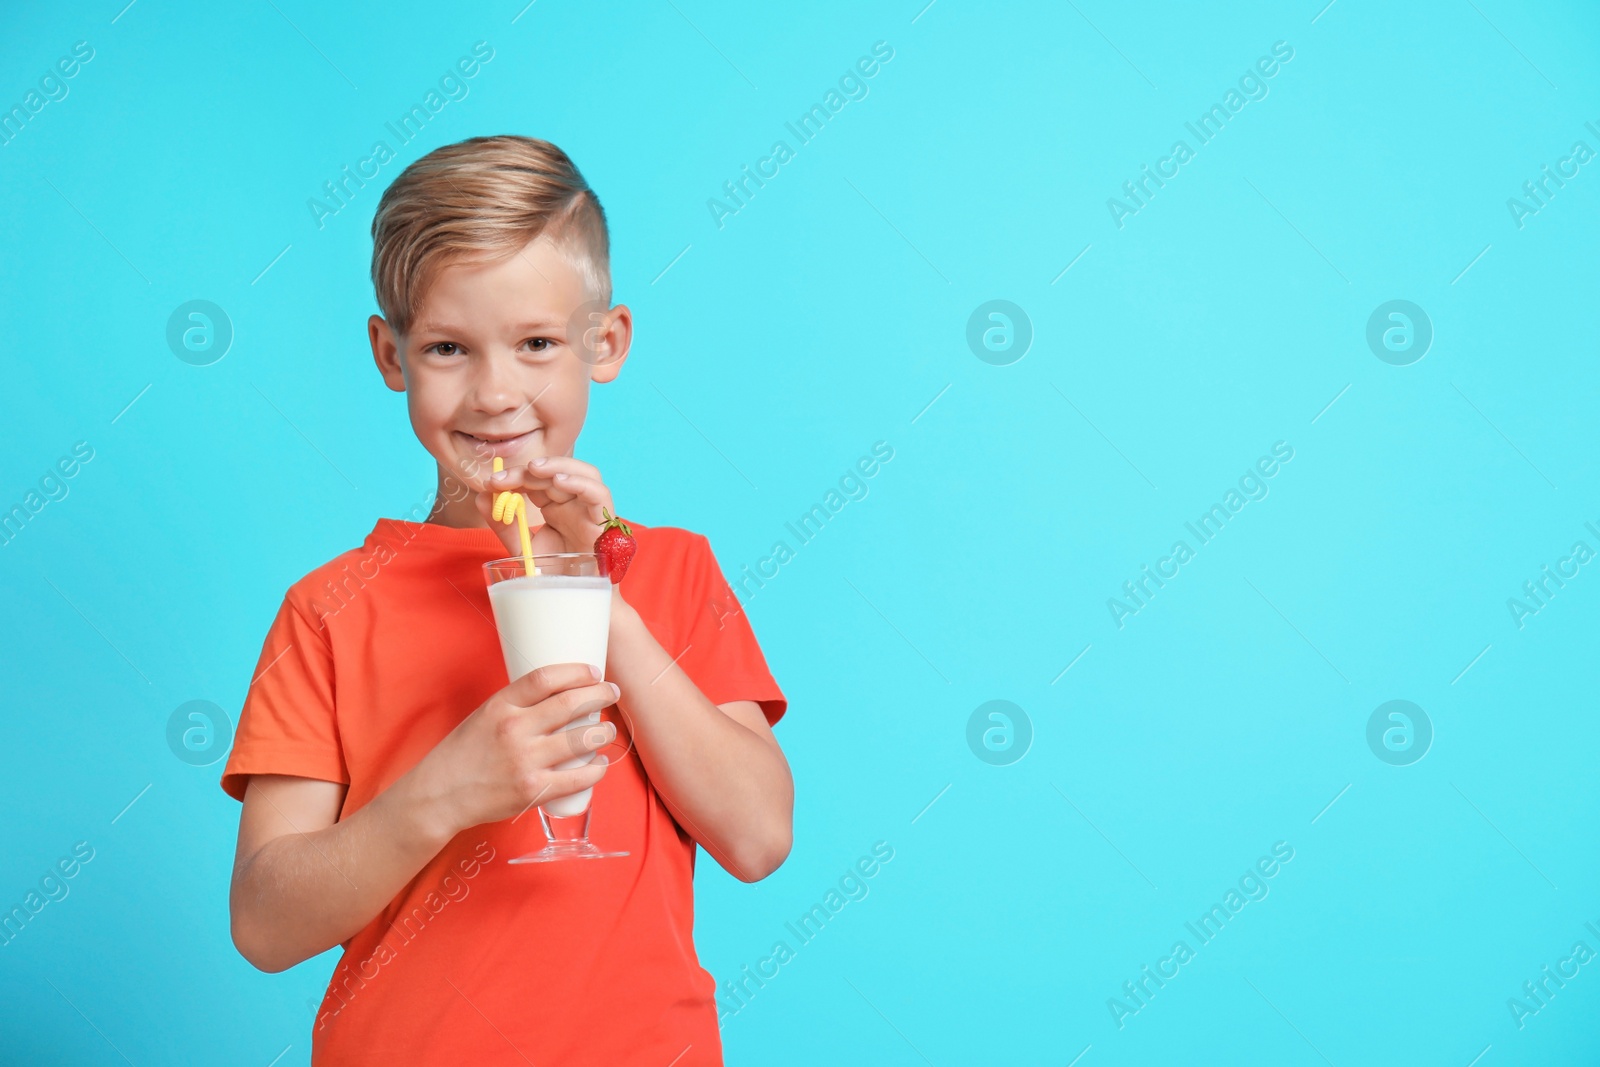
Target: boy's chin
466 471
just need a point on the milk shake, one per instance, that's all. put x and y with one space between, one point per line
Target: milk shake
554 618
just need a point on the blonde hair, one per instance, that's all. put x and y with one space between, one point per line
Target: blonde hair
483 199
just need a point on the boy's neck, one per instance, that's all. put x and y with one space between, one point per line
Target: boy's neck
461 514
458 514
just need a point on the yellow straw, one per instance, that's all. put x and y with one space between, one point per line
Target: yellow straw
509 506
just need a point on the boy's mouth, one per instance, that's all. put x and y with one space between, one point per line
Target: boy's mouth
489 445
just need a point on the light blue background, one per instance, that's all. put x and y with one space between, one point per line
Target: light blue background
826 315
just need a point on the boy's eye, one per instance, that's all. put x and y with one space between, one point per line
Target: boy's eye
450 348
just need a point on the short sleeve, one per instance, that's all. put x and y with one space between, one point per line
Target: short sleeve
721 655
287 724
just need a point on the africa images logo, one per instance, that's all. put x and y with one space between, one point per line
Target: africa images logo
1205 128
338 192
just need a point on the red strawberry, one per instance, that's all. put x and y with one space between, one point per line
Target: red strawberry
616 546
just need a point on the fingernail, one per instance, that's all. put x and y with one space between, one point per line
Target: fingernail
539 462
499 476
595 735
594 672
616 693
561 477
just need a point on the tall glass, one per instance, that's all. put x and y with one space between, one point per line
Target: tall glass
562 614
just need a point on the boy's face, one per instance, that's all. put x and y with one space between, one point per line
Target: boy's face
494 363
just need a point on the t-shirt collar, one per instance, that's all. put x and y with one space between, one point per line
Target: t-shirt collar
436 535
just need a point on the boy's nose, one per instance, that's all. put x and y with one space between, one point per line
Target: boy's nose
497 386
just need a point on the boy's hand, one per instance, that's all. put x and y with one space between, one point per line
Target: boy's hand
500 760
567 492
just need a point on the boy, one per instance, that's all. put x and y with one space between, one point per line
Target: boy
386 768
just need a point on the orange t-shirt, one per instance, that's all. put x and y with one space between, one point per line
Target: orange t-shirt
377 655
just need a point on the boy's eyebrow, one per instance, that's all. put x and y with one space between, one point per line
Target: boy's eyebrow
521 327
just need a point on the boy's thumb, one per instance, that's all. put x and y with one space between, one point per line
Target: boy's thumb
507 532
485 504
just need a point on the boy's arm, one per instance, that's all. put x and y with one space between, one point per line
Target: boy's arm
718 768
304 880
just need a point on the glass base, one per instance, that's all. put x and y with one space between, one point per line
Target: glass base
566 850
569 840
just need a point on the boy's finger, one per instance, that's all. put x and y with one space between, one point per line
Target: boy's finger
544 683
561 711
508 534
548 467
544 491
584 739
529 482
539 492
574 780
551 493
521 482
574 487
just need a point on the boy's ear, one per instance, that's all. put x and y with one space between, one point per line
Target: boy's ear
614 345
386 353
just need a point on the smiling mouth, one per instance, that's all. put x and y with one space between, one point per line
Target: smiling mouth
497 444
